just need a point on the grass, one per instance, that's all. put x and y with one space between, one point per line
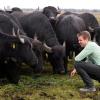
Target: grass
47 86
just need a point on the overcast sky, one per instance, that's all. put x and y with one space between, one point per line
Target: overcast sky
75 4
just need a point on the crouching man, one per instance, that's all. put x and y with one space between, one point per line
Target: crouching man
89 69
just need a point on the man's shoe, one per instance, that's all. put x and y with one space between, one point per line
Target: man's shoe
88 89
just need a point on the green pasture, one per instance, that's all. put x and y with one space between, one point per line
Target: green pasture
46 86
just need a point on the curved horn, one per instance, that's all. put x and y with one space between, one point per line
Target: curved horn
4 8
18 31
47 48
90 29
38 8
21 39
13 31
64 44
35 37
18 35
58 8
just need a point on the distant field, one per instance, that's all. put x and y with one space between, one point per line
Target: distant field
97 15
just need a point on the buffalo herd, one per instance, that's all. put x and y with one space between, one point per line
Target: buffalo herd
31 38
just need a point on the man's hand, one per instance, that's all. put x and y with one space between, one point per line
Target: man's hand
73 72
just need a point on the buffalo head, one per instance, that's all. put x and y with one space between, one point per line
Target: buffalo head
56 55
18 47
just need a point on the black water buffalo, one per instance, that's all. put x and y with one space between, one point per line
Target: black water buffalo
16 9
88 18
9 26
66 30
12 10
37 45
90 22
37 23
96 31
14 47
51 12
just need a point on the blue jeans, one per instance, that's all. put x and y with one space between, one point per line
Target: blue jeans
88 71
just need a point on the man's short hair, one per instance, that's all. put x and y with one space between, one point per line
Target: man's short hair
85 34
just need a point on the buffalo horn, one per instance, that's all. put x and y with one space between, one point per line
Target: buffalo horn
91 29
35 37
64 44
58 8
47 48
5 8
13 31
21 39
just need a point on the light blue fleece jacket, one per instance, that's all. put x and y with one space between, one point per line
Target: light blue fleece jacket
91 51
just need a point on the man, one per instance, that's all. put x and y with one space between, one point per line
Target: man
89 69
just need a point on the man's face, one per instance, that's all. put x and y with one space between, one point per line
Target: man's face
82 41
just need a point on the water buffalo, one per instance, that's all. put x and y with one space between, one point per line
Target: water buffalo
66 30
90 22
14 47
96 32
88 18
38 23
51 12
37 45
16 9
